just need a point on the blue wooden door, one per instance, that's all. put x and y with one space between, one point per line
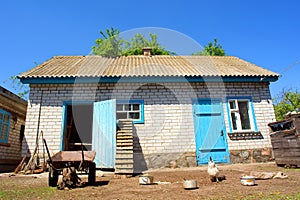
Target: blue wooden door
210 130
104 133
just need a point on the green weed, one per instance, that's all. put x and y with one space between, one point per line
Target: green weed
36 193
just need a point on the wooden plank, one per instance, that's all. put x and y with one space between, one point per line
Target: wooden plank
125 137
125 130
18 168
125 148
122 162
124 151
290 162
124 171
104 129
120 136
124 156
125 141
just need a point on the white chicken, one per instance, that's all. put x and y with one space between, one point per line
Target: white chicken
212 170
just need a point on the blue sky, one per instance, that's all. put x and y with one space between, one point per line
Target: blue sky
266 33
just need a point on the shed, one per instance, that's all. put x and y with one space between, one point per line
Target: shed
285 139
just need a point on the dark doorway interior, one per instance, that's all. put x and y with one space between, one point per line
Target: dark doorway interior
78 127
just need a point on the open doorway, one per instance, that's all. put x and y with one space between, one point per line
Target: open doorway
78 129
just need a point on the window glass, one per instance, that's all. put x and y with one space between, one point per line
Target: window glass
4 129
4 126
126 107
2 135
6 118
244 114
121 115
241 118
233 119
136 107
130 110
134 115
232 104
119 107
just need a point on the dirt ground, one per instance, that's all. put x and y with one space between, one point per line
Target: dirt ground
168 185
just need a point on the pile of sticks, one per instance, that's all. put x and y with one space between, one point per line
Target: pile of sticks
31 164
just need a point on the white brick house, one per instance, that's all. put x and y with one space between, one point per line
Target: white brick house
184 108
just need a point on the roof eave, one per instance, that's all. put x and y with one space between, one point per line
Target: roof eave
192 79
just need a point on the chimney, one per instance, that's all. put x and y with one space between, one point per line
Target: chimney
146 51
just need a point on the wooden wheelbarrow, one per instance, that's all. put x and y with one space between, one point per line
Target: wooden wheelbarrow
80 160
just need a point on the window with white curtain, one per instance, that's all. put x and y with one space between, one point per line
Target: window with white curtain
241 116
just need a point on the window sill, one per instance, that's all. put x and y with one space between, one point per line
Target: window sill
138 122
251 135
4 144
134 121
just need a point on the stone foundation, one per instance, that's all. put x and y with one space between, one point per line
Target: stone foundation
251 156
188 159
171 160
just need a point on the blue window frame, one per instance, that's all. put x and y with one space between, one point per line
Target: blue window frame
131 109
241 115
4 125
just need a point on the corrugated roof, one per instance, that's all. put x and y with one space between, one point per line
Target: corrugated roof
140 66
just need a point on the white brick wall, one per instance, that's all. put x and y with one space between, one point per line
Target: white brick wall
168 126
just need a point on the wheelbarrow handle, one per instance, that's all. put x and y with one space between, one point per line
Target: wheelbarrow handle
82 153
82 157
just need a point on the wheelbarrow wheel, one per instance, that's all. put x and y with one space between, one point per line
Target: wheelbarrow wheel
53 177
92 173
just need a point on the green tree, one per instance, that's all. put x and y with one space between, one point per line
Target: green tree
110 44
212 49
287 101
22 90
135 45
